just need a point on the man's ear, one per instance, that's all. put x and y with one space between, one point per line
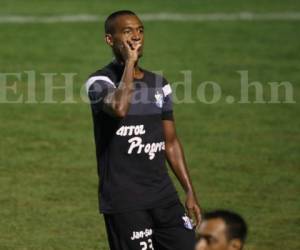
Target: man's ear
109 39
235 244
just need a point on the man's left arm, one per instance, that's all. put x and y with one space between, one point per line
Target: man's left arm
176 160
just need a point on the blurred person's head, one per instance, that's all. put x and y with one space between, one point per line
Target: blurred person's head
221 230
123 26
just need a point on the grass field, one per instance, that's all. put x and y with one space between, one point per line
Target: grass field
244 157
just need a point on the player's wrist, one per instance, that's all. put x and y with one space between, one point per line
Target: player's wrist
189 190
191 195
130 61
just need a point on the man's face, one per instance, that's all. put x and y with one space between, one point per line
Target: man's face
213 236
127 28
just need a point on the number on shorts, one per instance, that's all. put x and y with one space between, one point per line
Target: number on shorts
146 246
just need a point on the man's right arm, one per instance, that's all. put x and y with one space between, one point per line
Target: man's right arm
117 102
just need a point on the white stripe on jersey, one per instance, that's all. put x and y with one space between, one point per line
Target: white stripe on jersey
93 79
167 90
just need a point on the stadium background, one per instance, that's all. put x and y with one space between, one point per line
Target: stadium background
243 157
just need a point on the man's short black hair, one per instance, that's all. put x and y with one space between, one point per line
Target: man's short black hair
236 226
109 22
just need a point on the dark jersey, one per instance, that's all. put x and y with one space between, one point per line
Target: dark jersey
131 150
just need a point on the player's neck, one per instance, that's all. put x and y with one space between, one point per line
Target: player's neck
138 73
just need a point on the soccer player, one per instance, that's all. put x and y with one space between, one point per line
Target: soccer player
222 230
135 134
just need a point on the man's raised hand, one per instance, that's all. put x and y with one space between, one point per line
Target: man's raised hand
131 51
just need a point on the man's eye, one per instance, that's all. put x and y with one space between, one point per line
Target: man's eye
126 31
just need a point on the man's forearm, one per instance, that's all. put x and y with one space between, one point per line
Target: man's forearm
118 101
176 160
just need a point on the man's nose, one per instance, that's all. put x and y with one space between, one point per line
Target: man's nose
136 36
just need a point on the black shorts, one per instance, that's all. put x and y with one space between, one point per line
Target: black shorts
164 228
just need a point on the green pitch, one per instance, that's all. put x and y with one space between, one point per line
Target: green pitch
244 157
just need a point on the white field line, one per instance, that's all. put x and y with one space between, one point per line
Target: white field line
241 16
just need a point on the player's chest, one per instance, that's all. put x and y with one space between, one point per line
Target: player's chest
146 100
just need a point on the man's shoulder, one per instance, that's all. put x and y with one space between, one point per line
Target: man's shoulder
108 71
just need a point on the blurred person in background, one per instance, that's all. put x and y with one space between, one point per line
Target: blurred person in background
221 230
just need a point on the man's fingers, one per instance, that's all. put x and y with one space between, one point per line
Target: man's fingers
190 212
197 214
193 216
132 46
127 45
194 213
137 46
